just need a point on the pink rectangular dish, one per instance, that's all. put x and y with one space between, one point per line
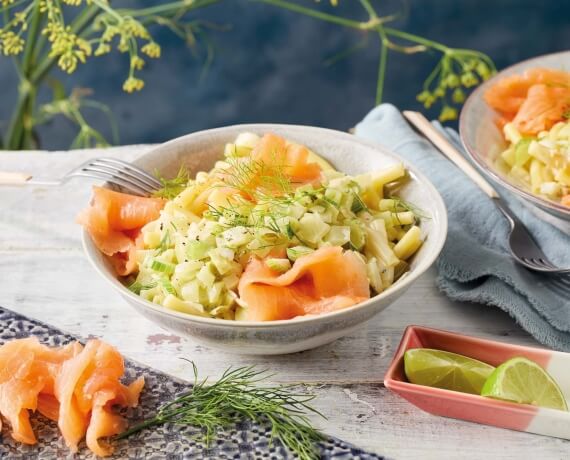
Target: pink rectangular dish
521 417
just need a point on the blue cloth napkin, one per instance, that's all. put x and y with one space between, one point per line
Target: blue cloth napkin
475 264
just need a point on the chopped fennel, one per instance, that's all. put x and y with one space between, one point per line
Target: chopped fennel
195 253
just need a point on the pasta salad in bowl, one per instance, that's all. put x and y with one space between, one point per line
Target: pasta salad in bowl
268 244
516 127
540 163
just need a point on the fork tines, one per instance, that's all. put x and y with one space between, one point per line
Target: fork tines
120 173
541 263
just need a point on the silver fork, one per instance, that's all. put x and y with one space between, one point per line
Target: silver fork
126 176
522 246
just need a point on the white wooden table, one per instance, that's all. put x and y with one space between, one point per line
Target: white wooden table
43 274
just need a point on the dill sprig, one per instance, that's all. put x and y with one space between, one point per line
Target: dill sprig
234 216
257 179
261 213
237 395
173 187
403 205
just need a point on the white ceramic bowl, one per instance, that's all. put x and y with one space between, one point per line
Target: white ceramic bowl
484 141
199 152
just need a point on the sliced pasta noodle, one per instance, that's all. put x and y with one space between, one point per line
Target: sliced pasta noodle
409 243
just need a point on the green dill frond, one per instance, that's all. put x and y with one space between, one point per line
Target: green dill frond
232 215
403 205
241 174
262 214
171 188
238 395
256 179
271 223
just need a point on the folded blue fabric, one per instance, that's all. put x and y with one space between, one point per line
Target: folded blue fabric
475 264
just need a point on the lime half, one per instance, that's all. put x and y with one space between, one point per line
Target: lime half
442 369
523 381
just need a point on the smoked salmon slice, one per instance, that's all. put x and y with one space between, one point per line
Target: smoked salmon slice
103 423
26 369
543 107
112 210
508 94
18 394
273 162
323 281
114 220
73 421
48 406
274 151
74 385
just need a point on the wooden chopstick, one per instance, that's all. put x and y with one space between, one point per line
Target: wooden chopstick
423 125
13 178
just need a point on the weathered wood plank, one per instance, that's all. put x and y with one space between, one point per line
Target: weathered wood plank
44 274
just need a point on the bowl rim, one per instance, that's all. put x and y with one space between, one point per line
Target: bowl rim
478 158
439 233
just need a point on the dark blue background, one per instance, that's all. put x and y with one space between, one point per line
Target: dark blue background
269 66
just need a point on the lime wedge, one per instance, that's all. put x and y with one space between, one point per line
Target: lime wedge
442 369
523 381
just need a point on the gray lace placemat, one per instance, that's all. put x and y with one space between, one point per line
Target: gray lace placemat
244 441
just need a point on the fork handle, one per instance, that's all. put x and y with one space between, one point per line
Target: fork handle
509 215
13 178
428 130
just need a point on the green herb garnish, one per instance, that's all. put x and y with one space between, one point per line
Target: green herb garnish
402 205
237 395
566 115
173 187
256 179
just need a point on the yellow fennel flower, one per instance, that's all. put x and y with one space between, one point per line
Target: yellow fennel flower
132 84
